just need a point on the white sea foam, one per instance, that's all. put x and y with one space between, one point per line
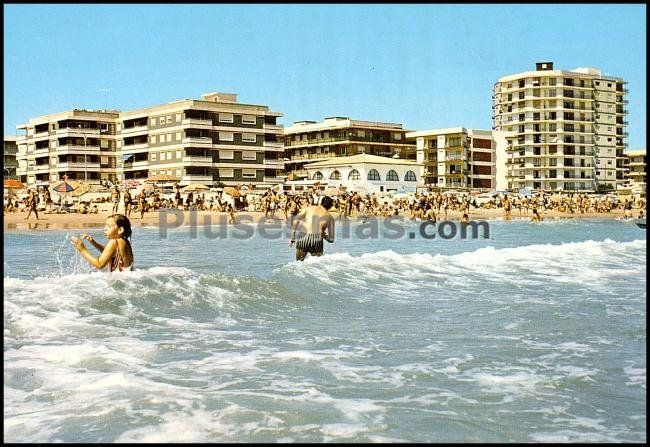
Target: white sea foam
572 262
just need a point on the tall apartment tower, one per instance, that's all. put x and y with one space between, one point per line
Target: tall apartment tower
569 128
81 144
309 142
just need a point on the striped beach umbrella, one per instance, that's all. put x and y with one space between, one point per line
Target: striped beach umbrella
64 187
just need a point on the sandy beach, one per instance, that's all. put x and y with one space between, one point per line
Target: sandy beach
17 221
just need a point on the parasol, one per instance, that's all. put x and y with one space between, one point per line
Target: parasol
64 187
162 178
232 191
195 187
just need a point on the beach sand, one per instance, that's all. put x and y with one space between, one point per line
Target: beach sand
16 221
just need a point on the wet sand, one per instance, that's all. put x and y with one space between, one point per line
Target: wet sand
16 221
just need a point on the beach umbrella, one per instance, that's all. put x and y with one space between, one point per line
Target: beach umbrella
64 187
195 187
232 191
162 178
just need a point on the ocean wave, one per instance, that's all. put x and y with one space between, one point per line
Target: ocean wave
572 262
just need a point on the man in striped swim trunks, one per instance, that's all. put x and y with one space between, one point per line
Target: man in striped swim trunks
316 224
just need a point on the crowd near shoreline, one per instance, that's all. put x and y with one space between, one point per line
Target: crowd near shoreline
154 209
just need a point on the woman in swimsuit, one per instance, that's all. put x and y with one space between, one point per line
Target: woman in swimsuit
117 252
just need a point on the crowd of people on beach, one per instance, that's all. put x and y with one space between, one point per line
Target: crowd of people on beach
429 205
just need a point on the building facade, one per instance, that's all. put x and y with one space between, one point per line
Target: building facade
212 141
215 141
9 162
367 173
81 144
308 142
457 157
569 125
635 172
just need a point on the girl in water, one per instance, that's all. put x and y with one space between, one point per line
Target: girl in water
117 252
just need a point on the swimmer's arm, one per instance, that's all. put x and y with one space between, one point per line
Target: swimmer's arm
100 261
329 237
92 240
294 224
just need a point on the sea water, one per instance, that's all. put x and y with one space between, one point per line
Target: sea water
535 333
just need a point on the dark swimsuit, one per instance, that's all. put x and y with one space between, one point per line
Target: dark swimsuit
310 243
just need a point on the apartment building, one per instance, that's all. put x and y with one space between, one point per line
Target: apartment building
457 157
635 170
310 141
214 140
9 162
79 143
569 125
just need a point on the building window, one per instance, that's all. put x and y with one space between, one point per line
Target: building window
373 174
249 155
410 177
354 175
226 136
317 176
248 138
392 176
226 118
226 173
226 155
248 119
248 173
336 175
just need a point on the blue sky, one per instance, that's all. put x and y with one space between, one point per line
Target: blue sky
425 66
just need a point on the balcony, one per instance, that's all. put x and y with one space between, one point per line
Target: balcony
205 142
78 166
198 178
274 127
197 122
274 164
197 160
274 146
134 130
76 148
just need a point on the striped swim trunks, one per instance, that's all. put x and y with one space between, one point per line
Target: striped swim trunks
310 243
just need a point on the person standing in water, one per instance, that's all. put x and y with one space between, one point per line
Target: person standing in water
117 253
317 224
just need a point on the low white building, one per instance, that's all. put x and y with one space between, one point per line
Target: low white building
367 173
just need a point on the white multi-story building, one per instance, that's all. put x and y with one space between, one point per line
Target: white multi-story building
79 143
309 141
457 157
569 125
636 170
214 140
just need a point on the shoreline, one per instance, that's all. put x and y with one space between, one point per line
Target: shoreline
54 221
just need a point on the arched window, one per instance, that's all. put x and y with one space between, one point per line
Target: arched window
392 176
410 177
354 175
336 175
317 176
373 174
